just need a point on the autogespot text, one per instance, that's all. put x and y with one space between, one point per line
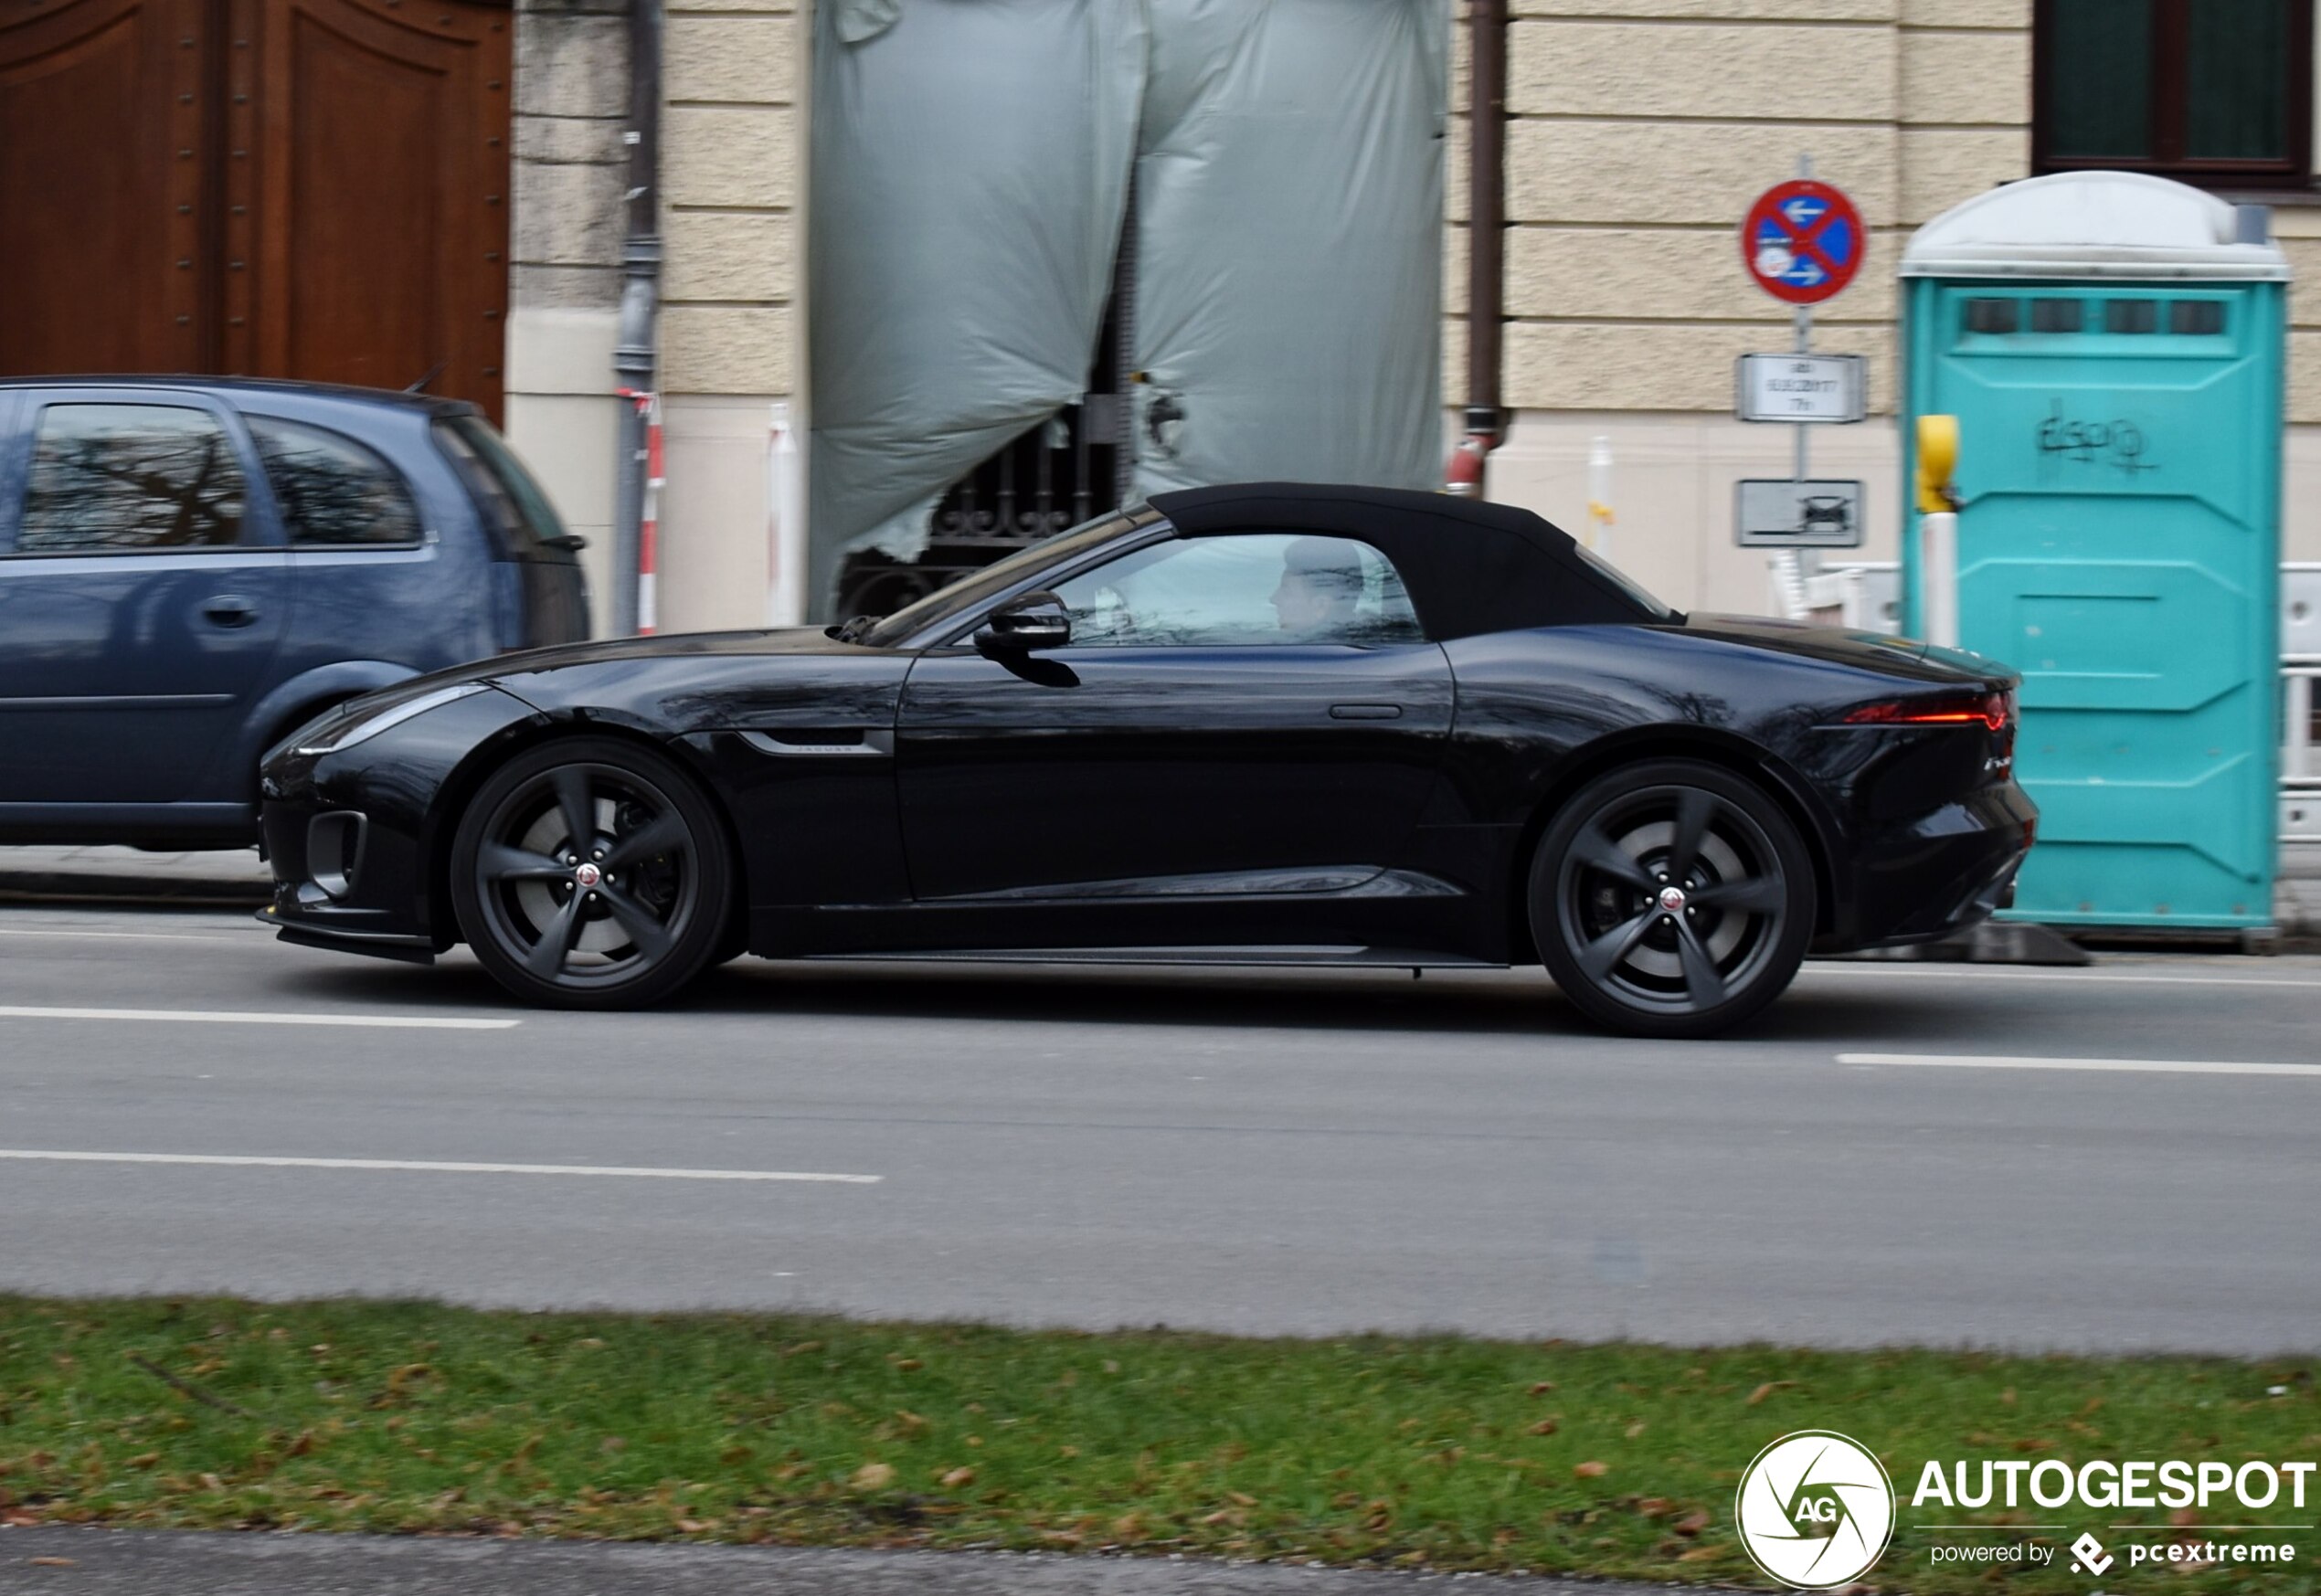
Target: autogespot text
2052 1482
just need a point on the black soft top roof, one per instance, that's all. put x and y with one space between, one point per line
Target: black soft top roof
1470 567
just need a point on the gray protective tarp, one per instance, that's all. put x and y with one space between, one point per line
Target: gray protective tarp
1289 201
971 163
970 167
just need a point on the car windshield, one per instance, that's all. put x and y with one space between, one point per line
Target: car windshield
972 589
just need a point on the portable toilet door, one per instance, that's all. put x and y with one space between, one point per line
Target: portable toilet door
2113 346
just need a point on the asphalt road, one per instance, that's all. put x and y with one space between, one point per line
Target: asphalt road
1291 1153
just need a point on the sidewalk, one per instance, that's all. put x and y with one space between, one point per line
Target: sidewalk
131 875
247 1563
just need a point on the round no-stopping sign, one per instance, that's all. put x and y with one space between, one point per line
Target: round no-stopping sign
1803 241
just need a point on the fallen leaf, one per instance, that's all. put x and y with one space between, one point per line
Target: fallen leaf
690 1525
1636 1430
144 1460
905 1364
1591 1469
1701 1554
1652 1506
2007 1397
1544 1427
873 1476
213 1483
1242 1497
1768 1390
957 1477
1541 1388
1129 1527
1692 1523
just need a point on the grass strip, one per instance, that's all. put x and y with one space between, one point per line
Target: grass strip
1443 1452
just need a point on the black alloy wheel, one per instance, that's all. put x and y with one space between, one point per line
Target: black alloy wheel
592 874
1671 899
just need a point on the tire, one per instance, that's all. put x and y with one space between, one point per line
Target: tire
624 920
1726 945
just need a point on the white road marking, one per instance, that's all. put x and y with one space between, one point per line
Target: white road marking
229 1017
1958 971
2126 1066
432 1167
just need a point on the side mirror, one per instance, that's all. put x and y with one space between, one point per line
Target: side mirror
1031 620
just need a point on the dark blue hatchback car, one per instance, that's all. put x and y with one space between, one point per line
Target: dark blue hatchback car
190 568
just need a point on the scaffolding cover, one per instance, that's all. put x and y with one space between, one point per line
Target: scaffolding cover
1289 246
970 165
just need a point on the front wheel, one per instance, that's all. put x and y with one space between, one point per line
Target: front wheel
1671 899
591 873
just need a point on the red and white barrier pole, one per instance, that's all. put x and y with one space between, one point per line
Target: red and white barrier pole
649 523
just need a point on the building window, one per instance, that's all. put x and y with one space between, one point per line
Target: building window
2214 91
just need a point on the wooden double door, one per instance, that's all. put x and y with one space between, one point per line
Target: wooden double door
299 188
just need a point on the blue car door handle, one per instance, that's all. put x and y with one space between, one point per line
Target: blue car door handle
1366 711
232 610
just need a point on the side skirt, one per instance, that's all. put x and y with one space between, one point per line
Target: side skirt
1292 957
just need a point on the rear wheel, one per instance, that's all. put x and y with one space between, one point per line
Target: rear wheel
1671 899
592 874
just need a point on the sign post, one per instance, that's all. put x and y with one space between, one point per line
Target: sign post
1802 242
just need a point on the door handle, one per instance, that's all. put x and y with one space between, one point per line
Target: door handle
232 610
1366 711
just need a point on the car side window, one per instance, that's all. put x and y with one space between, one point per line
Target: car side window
120 479
333 490
1242 589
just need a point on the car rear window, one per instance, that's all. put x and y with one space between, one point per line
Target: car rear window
509 496
333 491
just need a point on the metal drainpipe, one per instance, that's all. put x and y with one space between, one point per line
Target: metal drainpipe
1486 229
634 357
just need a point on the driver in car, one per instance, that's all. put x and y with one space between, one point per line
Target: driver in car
1319 590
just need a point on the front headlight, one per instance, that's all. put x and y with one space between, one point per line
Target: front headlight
340 735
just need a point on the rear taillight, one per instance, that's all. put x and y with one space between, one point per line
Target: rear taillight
1993 711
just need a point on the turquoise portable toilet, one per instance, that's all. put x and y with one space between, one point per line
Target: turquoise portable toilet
2114 347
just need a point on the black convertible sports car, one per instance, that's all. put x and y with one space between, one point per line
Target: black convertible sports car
1272 723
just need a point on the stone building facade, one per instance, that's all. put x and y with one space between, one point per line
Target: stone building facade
732 159
1641 131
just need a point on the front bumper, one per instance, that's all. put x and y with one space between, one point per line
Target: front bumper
354 837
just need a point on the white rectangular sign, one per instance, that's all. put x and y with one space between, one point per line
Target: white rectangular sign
1788 514
1801 387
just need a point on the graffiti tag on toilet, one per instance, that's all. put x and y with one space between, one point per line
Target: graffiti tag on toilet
2118 444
